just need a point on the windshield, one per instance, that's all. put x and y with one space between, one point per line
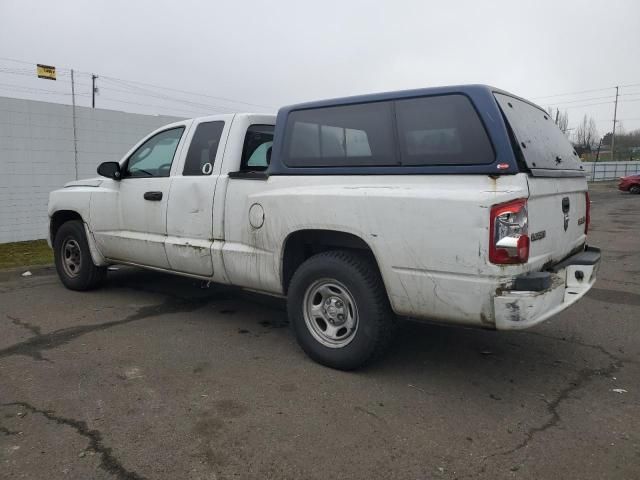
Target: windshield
543 145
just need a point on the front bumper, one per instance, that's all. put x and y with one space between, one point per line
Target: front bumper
570 280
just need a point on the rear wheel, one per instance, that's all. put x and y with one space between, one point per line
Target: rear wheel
339 310
635 189
73 258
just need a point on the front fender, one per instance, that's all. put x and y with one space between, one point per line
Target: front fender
75 199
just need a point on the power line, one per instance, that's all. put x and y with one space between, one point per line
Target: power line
29 73
186 92
8 86
589 105
110 99
145 92
579 92
269 107
31 63
582 100
619 120
602 103
208 108
573 93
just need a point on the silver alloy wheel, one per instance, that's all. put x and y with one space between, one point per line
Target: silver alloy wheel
330 313
71 257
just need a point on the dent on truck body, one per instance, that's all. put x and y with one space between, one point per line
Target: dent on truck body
430 271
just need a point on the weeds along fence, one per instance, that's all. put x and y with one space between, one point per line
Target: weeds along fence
44 145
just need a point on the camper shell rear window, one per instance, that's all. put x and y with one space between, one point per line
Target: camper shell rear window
542 144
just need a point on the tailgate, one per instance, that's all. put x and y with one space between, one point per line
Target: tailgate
557 204
557 217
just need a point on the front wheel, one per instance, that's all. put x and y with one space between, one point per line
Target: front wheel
339 309
73 258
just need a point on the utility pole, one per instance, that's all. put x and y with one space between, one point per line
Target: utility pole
93 90
613 134
73 116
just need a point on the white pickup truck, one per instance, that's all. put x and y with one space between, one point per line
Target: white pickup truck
462 205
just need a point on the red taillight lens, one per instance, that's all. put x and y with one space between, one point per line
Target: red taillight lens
523 248
587 219
508 236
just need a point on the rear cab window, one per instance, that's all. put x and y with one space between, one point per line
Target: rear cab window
543 146
256 151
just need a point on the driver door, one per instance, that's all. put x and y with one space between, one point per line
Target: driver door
141 203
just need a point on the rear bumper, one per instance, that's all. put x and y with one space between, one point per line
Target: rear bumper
569 281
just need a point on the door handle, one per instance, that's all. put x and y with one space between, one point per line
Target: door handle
153 196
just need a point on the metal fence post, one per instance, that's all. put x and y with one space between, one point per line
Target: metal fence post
73 113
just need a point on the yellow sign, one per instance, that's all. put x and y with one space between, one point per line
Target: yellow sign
46 71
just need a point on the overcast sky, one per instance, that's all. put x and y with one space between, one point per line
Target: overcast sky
281 52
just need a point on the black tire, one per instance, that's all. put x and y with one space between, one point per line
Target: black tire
635 189
84 275
358 274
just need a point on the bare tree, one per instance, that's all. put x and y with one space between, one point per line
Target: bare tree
586 133
561 119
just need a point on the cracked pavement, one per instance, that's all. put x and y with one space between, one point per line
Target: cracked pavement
156 377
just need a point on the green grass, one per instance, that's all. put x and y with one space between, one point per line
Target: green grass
17 254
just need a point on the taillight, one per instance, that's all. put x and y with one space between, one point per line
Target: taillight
587 215
509 239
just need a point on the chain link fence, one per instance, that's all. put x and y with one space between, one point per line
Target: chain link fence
602 171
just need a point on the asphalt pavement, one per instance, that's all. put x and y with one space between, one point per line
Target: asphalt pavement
161 377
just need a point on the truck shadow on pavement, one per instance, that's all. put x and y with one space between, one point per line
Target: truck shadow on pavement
419 347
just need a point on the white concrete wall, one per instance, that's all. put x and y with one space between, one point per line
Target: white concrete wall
36 155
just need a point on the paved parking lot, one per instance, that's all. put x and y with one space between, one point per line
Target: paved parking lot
155 377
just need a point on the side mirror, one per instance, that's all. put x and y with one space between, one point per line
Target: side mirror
110 170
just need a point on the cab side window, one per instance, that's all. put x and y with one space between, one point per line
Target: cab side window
154 157
203 149
256 152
